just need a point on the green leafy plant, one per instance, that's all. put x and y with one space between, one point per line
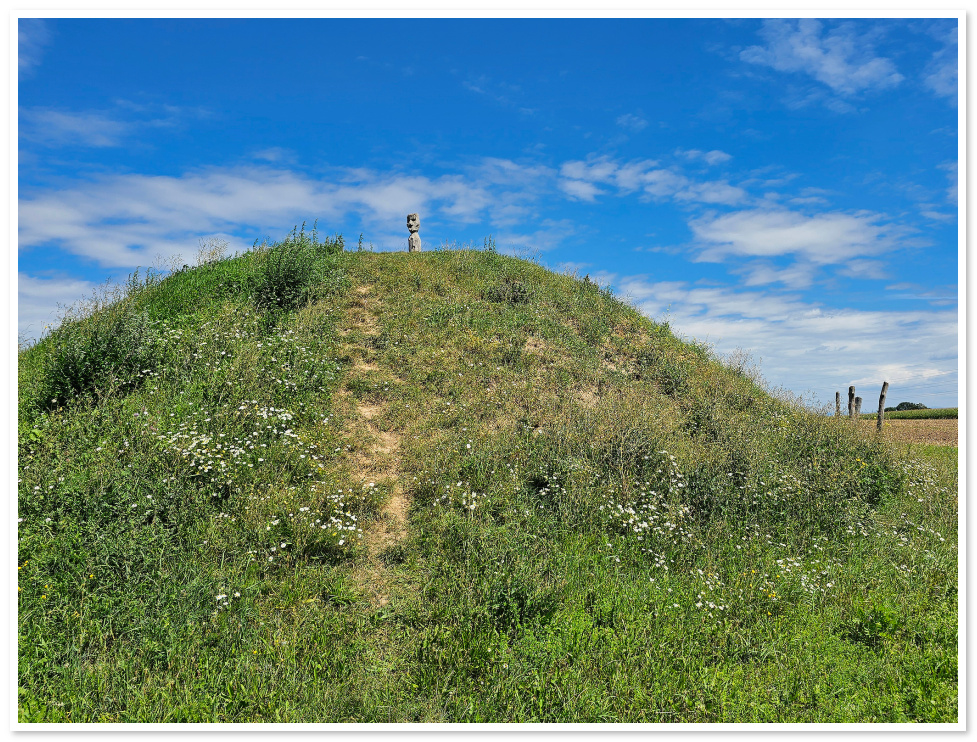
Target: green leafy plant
291 271
115 347
509 292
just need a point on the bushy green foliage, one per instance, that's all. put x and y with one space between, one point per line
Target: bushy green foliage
113 348
910 406
511 292
290 272
668 367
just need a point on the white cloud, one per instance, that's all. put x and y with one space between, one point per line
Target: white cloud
834 237
806 200
598 169
951 174
549 236
507 172
938 216
500 91
631 122
938 296
804 346
128 220
795 276
840 59
39 300
33 35
860 268
712 192
943 80
275 154
581 179
940 75
54 128
580 190
797 99
713 157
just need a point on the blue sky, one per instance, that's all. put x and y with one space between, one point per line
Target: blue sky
783 187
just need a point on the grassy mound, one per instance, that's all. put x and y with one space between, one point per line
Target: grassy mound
309 485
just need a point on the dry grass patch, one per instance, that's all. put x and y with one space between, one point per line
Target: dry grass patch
932 432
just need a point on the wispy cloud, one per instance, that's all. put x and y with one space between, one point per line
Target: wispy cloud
808 200
581 180
821 239
713 157
51 127
940 296
581 190
39 299
840 58
503 93
275 154
632 122
943 80
129 220
803 345
937 216
940 75
33 35
951 173
799 275
550 235
54 128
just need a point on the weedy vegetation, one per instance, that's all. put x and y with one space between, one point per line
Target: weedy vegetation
603 523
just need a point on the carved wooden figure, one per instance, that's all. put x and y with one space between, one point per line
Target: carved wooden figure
414 225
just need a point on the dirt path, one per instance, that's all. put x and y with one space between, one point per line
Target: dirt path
378 461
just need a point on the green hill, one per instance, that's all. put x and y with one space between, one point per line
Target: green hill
309 485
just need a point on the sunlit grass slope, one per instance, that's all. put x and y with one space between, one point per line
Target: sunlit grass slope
310 485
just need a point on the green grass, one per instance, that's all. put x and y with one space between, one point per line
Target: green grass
944 413
606 524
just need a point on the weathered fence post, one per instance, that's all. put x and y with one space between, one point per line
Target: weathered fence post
858 407
851 401
878 422
837 404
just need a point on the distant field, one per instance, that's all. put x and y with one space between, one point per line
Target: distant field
945 413
929 432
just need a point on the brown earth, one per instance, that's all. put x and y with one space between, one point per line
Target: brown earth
933 432
379 462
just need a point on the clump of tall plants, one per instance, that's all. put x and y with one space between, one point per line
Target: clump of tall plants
106 343
291 271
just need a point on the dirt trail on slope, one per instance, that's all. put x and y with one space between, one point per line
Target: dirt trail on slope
378 462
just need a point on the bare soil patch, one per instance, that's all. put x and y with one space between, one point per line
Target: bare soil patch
586 397
361 365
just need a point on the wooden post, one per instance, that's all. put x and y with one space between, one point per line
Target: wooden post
878 422
851 401
858 407
837 404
